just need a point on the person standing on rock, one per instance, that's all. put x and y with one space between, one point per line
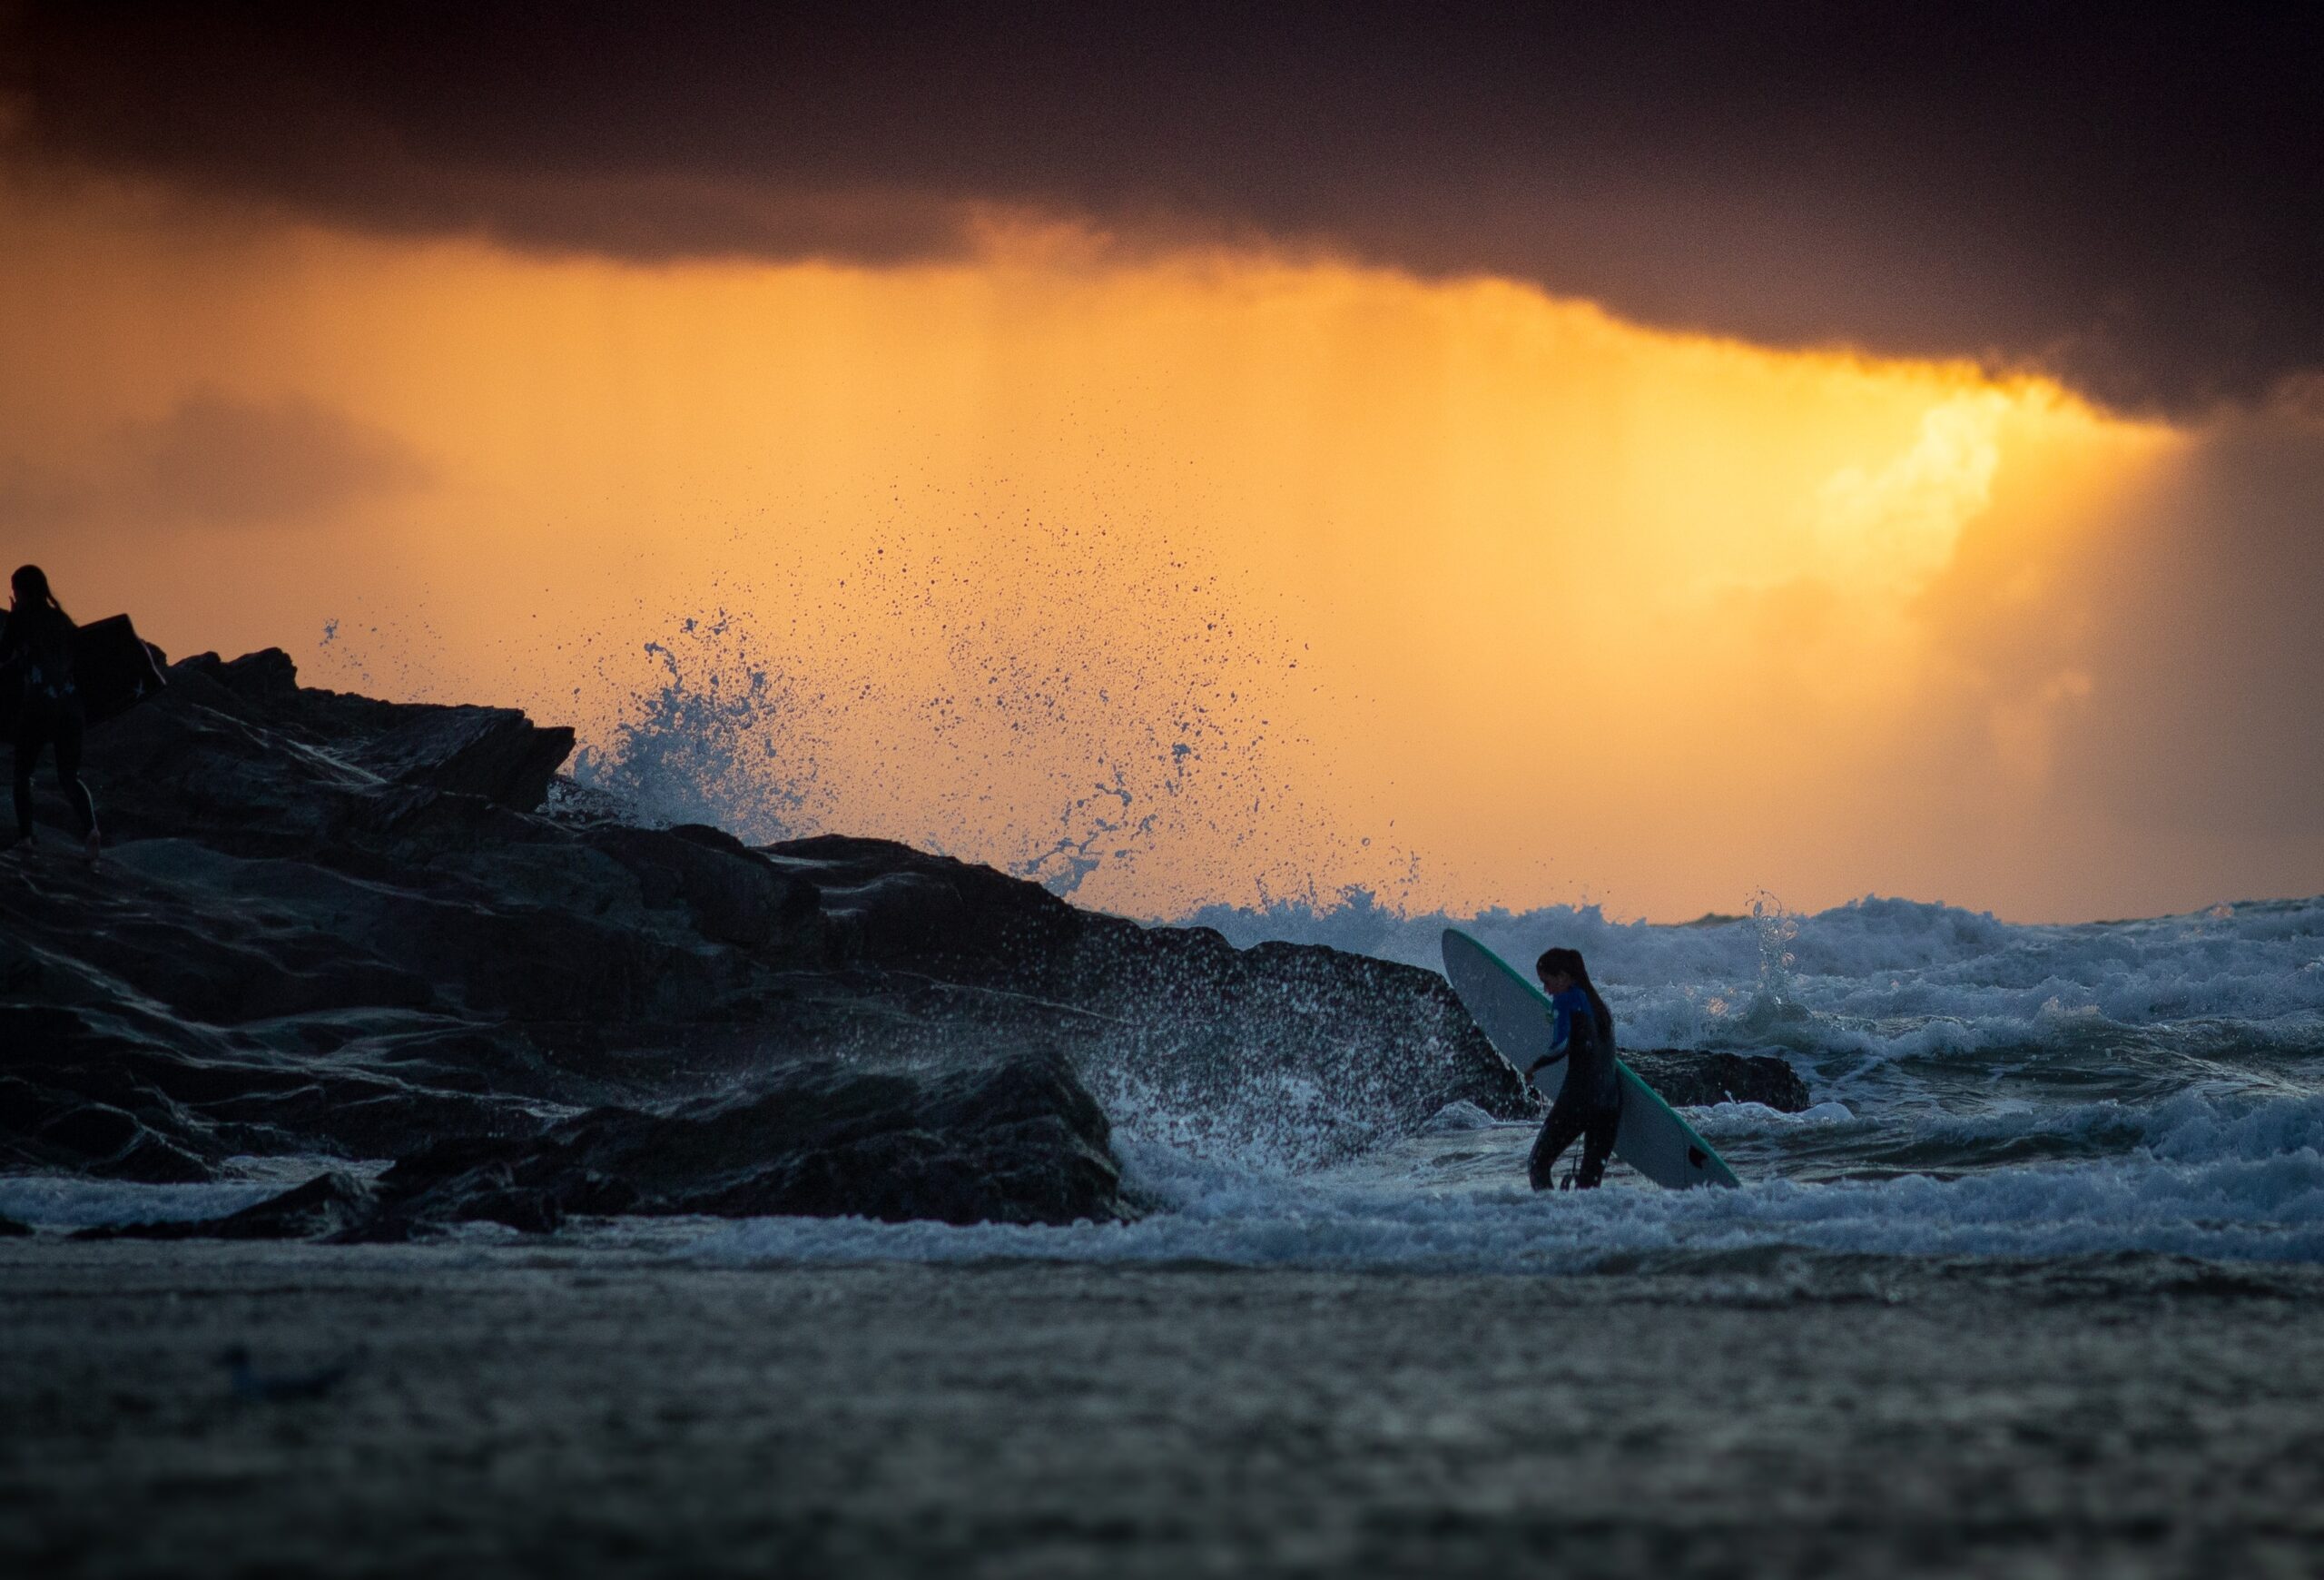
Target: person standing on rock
1588 1106
36 664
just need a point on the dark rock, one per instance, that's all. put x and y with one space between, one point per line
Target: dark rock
11 1230
735 894
241 756
1015 1140
326 1207
473 1182
166 1102
493 753
1688 1078
1205 1023
267 681
889 904
332 925
109 1128
110 1142
181 768
223 955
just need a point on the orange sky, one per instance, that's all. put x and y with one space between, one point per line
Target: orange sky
1296 575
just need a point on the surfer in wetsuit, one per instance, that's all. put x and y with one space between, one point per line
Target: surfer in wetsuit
36 663
1589 1104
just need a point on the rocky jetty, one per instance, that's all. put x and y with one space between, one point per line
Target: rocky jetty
335 927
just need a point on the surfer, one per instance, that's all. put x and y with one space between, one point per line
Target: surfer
1589 1104
37 660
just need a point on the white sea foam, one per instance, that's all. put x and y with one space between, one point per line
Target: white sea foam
64 1201
2269 1209
70 1202
2224 1177
2208 1179
1731 1119
1892 978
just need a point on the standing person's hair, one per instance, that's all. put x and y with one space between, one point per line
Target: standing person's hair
1568 962
37 645
30 585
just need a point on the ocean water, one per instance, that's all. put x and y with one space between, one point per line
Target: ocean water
1982 1090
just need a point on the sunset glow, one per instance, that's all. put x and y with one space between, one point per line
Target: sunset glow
1206 574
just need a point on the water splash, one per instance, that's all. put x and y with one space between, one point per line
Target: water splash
1108 729
726 738
1774 1007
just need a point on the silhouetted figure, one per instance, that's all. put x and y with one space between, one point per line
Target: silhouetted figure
36 661
1589 1104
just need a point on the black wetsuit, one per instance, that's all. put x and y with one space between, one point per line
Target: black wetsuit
36 661
1588 1106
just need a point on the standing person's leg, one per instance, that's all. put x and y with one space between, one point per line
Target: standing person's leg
1597 1146
30 738
1565 1122
69 726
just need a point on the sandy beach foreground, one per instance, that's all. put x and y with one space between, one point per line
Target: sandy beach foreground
609 1409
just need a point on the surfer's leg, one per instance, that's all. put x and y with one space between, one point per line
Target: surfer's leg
1558 1131
1597 1146
29 740
68 730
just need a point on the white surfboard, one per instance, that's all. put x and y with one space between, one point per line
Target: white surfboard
1515 1015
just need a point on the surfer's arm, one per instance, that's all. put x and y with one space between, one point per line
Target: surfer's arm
1560 1042
16 642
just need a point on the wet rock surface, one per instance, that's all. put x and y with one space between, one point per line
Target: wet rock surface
1014 1139
1688 1078
339 927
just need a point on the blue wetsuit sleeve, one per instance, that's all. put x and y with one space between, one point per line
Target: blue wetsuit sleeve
1560 1037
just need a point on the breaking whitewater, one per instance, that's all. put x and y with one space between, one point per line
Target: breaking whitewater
1981 1090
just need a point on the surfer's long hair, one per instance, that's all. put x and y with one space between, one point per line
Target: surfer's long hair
1569 960
33 600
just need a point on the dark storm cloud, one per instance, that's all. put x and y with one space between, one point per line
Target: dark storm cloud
213 461
2131 201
